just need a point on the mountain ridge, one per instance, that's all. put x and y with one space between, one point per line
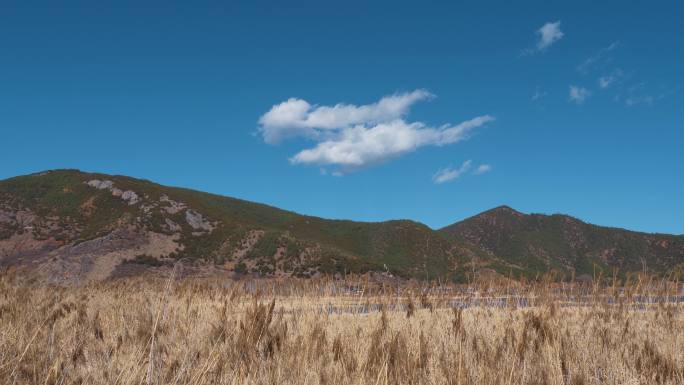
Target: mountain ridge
69 226
566 243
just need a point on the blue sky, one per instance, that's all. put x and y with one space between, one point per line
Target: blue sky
444 109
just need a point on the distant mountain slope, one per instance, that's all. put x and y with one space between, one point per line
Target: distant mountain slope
535 242
71 227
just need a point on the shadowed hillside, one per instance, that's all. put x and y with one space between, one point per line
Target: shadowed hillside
536 242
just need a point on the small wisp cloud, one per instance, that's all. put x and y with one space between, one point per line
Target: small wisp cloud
578 95
610 79
481 169
351 137
547 35
449 174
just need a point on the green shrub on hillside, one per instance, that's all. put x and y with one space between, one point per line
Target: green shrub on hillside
147 260
241 268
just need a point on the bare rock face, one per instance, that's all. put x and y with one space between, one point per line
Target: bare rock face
6 217
22 218
101 184
25 218
116 240
197 221
173 226
173 207
130 197
127 196
96 259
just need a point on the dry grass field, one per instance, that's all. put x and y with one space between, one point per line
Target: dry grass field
332 332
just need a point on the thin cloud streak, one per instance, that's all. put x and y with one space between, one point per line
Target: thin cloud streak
594 60
448 174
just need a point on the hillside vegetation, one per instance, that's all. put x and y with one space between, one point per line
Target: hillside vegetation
68 226
538 242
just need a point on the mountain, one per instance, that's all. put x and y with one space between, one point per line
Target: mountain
536 242
72 227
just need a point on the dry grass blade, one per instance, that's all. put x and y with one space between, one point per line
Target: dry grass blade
318 332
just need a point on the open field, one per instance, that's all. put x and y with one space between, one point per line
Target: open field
340 332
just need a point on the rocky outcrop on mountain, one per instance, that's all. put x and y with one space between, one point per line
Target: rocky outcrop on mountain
197 221
127 196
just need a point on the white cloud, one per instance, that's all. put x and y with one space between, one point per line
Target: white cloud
578 94
448 174
608 80
296 117
360 145
351 137
549 33
481 169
